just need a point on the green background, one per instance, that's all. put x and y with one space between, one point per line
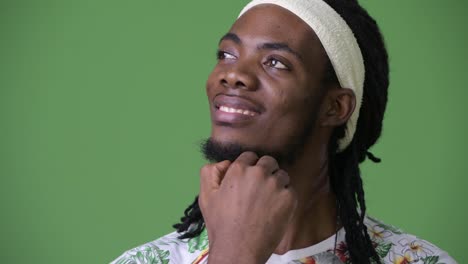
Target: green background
102 108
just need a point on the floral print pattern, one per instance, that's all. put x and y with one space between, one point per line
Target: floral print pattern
391 244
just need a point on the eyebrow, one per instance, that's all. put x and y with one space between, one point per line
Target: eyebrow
265 46
231 36
280 46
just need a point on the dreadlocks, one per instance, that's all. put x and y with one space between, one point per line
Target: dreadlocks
345 176
344 170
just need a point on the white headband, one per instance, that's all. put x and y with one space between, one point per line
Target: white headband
339 43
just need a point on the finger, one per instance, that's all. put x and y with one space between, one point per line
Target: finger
211 175
220 169
206 184
283 178
269 164
247 158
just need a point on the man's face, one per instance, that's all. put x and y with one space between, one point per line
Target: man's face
266 88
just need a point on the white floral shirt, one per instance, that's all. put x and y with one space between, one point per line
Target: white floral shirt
391 244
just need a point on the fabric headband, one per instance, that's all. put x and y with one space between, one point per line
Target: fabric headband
339 43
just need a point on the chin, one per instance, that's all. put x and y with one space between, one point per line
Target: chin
234 136
216 150
249 144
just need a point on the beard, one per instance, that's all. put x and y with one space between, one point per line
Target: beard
216 151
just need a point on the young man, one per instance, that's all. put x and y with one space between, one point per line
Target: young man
297 98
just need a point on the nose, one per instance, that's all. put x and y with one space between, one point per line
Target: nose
239 76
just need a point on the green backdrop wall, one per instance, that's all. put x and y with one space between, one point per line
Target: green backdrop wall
102 108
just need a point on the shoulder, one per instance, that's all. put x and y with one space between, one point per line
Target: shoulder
395 246
165 250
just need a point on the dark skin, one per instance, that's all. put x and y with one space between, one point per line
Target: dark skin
261 92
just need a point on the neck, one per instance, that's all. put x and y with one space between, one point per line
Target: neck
315 218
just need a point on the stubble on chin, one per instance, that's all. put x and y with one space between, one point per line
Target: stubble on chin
216 151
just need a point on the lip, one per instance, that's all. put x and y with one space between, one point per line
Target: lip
251 110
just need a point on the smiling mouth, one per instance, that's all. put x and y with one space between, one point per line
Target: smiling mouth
234 111
227 109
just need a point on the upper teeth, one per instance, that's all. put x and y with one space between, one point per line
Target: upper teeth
234 110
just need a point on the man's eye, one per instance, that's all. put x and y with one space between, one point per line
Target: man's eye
276 64
222 55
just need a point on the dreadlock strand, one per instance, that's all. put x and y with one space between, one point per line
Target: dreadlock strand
192 222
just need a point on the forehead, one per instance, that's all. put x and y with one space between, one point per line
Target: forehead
272 23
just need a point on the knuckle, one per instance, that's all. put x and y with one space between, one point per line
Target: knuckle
283 173
273 182
282 178
205 170
269 163
248 155
237 166
257 170
269 159
262 166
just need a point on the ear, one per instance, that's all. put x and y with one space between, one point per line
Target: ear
337 107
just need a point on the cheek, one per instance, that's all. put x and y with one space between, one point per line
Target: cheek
212 80
290 93
291 116
285 122
291 104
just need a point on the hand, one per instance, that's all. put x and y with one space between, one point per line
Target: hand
246 206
